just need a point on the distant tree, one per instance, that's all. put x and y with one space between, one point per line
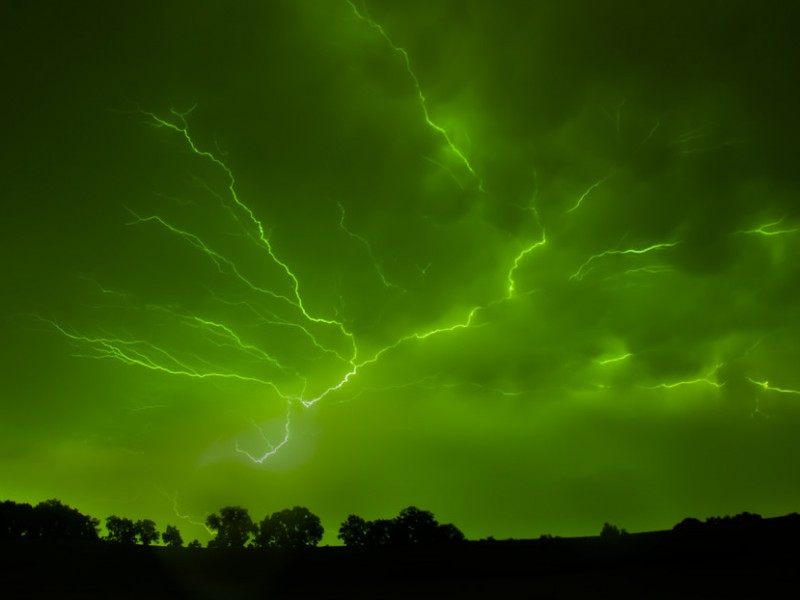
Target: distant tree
689 526
742 524
414 526
146 532
16 520
194 544
52 519
610 530
290 528
172 537
233 527
380 532
353 531
449 534
746 519
121 530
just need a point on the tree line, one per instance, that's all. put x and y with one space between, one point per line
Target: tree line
233 527
290 528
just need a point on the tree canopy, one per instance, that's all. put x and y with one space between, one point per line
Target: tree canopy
146 532
120 530
172 537
290 528
412 526
233 527
50 519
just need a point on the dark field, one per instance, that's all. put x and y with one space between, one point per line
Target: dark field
760 563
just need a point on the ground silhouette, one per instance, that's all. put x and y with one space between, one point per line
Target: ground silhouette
740 556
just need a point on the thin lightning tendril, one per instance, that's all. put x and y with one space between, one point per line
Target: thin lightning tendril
586 266
423 102
173 498
182 128
705 380
768 229
583 196
512 284
764 385
365 242
615 359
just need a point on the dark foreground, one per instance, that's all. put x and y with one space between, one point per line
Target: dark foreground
759 563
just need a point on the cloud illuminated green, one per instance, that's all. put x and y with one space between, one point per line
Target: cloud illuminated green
530 266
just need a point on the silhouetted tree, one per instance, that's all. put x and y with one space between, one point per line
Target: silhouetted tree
380 532
172 537
449 534
746 519
233 527
353 531
610 530
52 519
16 520
689 526
412 526
290 528
742 524
194 544
146 532
121 530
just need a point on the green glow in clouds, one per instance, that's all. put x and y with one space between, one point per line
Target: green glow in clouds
530 266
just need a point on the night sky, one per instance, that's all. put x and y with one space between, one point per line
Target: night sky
532 266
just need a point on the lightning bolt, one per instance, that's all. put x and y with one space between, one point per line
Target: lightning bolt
365 242
586 266
589 190
703 380
614 359
769 229
272 448
423 102
282 302
284 381
173 498
512 284
764 385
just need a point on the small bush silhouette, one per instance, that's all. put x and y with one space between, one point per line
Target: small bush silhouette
610 531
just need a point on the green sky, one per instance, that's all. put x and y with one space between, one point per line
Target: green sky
530 265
